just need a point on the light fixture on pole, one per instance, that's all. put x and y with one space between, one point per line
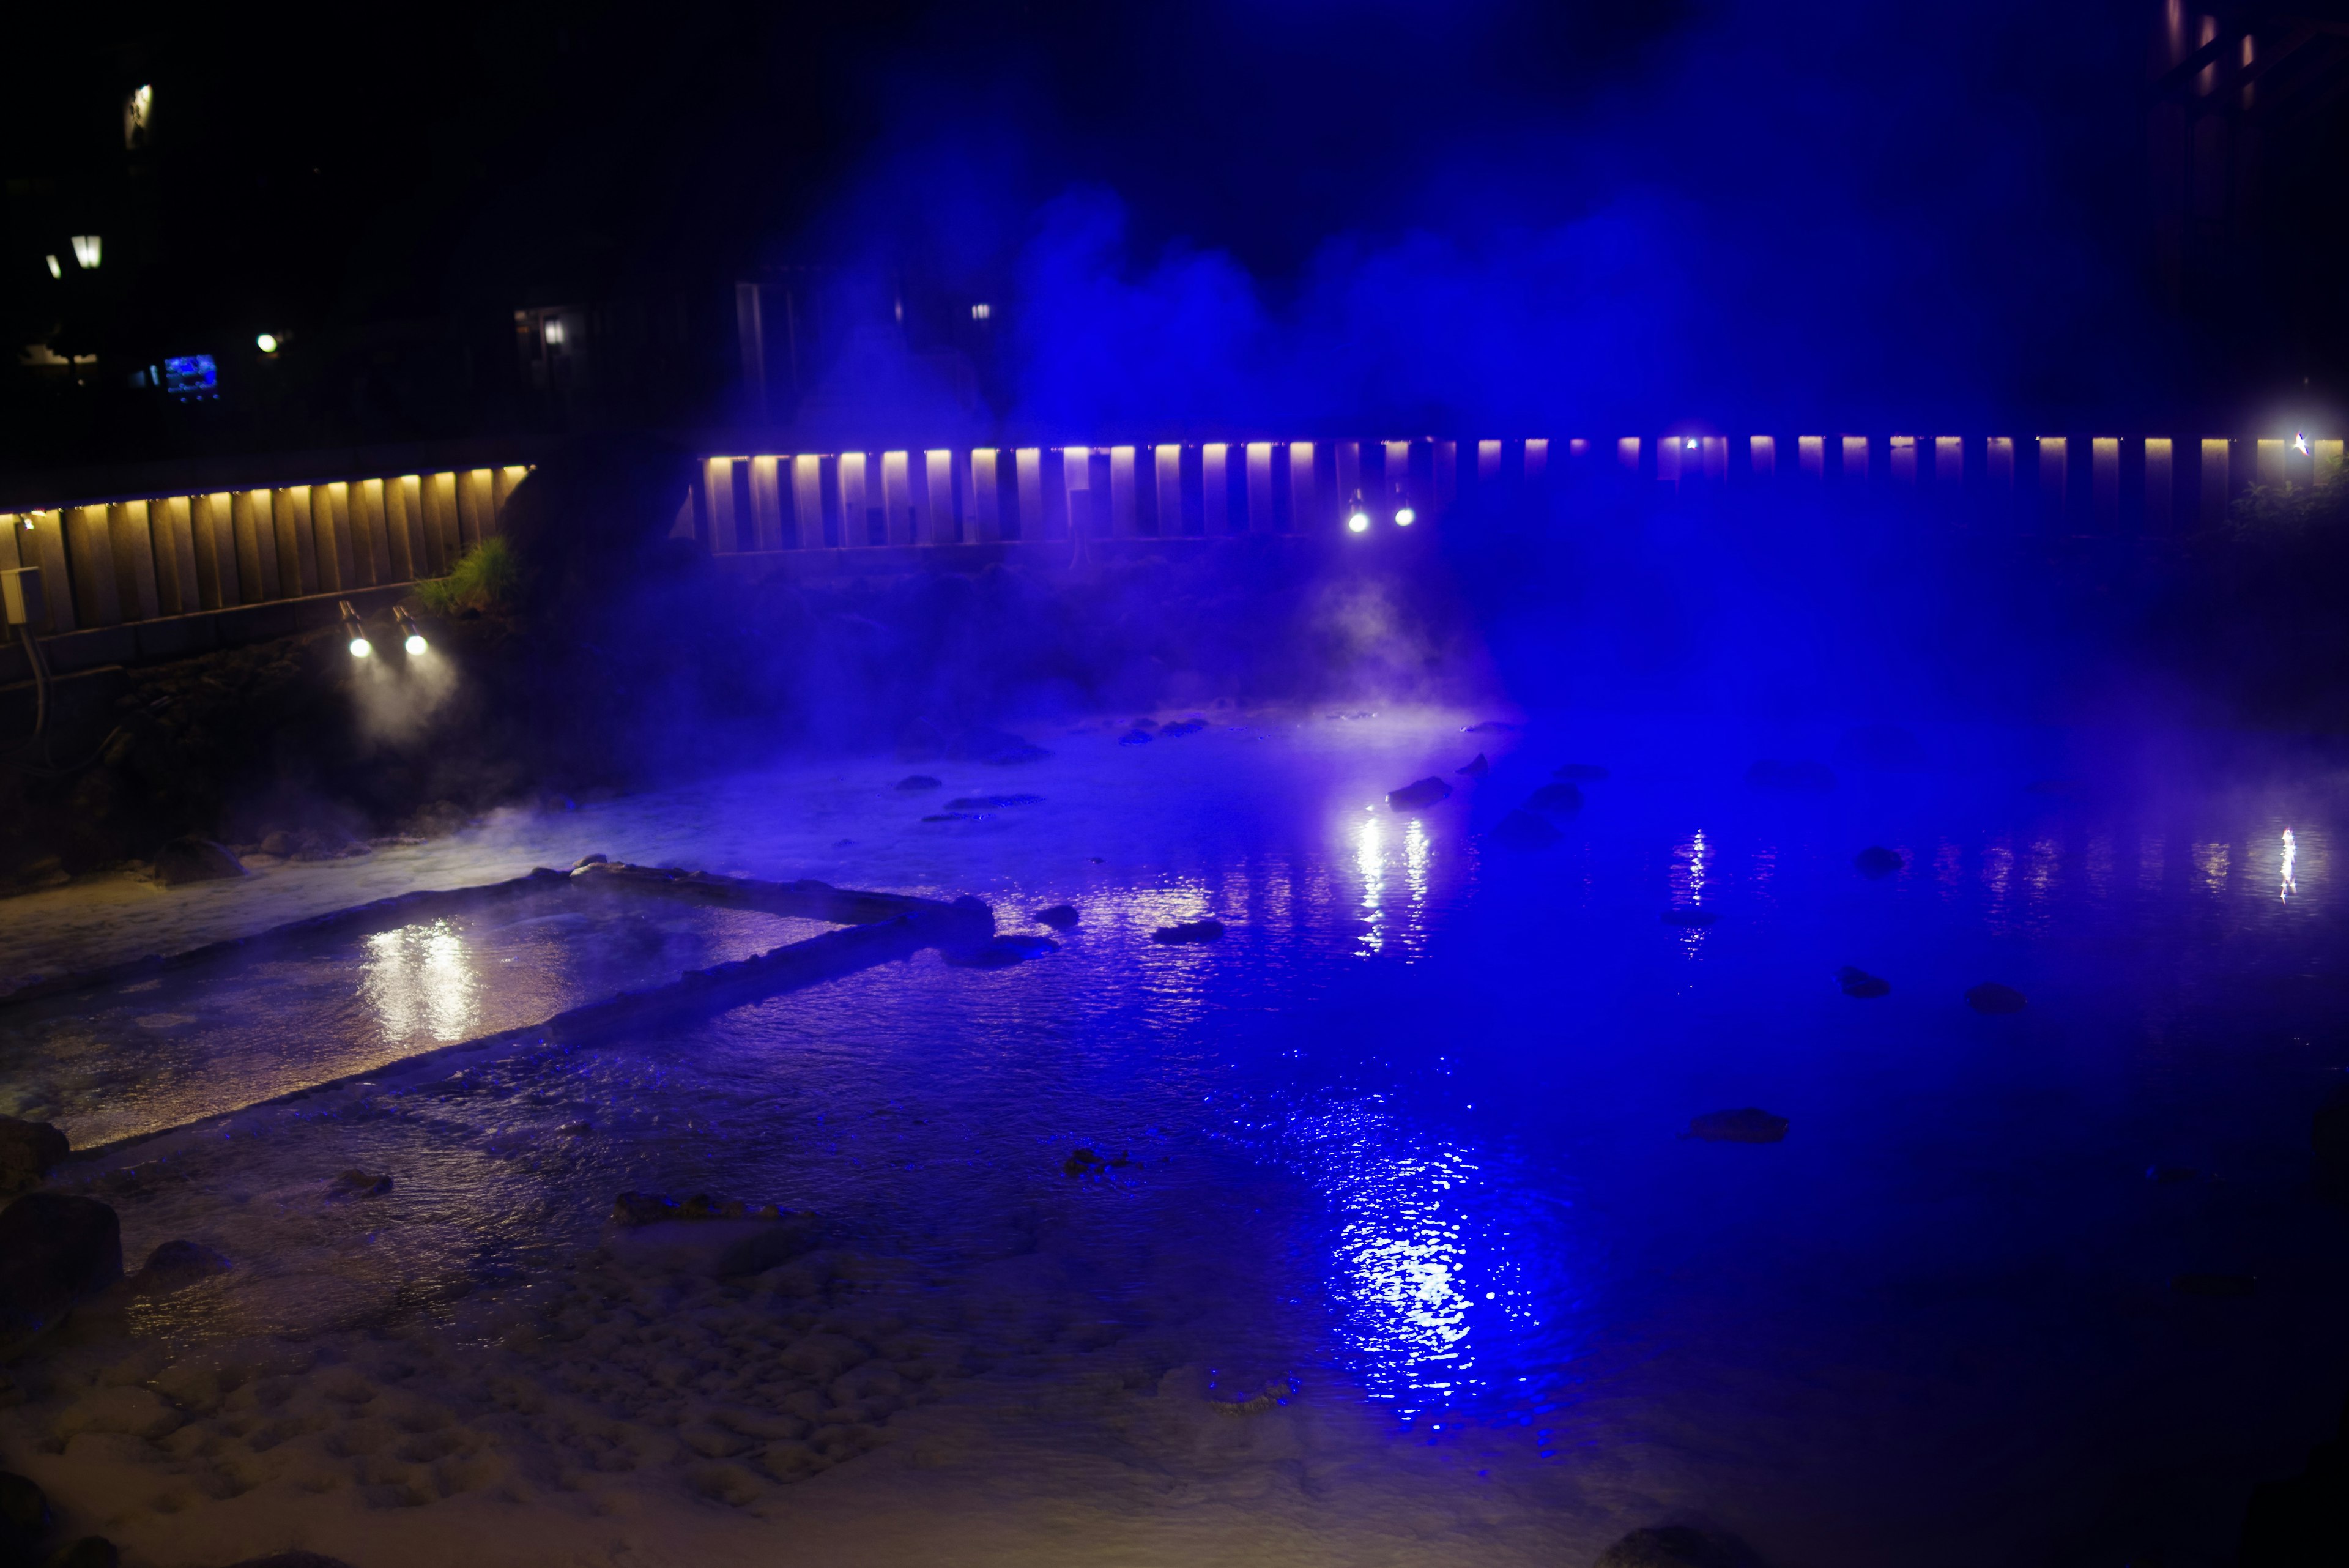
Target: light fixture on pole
413 633
353 632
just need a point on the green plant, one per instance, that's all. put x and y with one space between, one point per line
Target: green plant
485 578
2289 511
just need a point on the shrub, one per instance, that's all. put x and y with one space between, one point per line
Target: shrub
2289 512
485 578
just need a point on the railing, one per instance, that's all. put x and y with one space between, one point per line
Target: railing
2153 486
162 574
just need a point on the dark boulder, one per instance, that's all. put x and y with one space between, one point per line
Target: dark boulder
1475 767
1419 793
1860 983
176 1265
1677 1546
1877 862
1748 1126
193 859
1557 797
1059 917
1992 997
1792 778
56 1252
28 1151
357 1184
913 782
1188 931
1134 738
1182 727
1000 951
1525 830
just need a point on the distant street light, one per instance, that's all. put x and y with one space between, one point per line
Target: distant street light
85 251
54 270
267 343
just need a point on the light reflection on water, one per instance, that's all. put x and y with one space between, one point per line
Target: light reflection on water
421 981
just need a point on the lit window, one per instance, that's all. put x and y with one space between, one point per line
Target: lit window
981 312
554 332
86 247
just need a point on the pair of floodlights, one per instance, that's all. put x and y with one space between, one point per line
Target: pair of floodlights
357 635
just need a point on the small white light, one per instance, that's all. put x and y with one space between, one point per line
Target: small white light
361 647
1692 445
554 331
267 343
2300 444
980 312
1359 522
416 643
86 249
54 270
1405 517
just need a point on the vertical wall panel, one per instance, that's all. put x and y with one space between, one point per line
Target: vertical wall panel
855 524
11 555
1949 460
1998 461
1173 515
895 499
1028 465
443 488
96 597
215 535
1216 487
164 516
1763 455
298 545
476 509
133 544
1259 487
1536 461
338 558
2105 482
807 499
767 502
1348 458
1714 450
1811 452
2272 457
1124 520
1305 508
986 495
948 505
1668 461
718 497
2218 481
1854 458
1901 459
2054 481
51 553
2161 492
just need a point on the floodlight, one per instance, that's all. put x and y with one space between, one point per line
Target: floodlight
355 632
267 343
86 249
1405 517
1359 522
415 642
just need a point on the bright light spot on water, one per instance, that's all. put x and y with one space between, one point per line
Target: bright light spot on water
2290 854
1371 862
420 983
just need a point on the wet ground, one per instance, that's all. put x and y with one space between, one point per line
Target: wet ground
1395 1246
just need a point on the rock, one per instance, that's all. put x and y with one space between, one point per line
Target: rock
1001 952
1698 918
1419 793
990 802
2214 1285
1555 797
1134 738
357 1183
1992 997
176 1265
1188 931
28 1151
24 1514
1815 778
194 859
1886 746
1182 727
1860 983
1059 917
2329 1137
1677 1546
90 1551
591 860
1525 830
280 843
913 782
1578 772
1875 861
1475 767
56 1252
1492 727
1748 1126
